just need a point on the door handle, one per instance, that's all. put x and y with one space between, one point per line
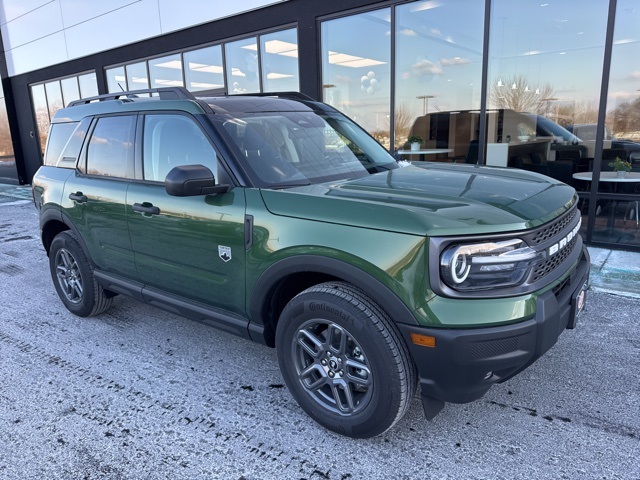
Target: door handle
146 208
78 197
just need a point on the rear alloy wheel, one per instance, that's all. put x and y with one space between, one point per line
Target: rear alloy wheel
344 361
73 277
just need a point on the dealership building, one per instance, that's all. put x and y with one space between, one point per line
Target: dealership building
551 86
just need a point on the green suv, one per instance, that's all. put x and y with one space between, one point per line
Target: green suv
276 218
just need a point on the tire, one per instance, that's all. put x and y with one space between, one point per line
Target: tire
73 277
344 361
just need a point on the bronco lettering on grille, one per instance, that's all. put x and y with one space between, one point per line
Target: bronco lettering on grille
556 247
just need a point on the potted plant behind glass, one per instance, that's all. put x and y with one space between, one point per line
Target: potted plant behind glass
620 166
415 142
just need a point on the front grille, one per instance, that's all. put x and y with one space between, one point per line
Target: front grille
554 228
541 270
549 235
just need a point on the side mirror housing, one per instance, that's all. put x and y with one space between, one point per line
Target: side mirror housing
191 181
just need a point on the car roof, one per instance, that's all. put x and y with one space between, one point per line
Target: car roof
178 98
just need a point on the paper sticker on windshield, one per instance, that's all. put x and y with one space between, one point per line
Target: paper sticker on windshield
224 253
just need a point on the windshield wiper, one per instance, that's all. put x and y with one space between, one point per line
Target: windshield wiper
278 186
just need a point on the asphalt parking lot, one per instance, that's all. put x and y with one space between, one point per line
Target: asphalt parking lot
138 393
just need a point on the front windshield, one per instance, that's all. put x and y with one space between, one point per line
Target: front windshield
547 128
285 149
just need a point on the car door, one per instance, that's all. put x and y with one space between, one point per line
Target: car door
94 197
192 247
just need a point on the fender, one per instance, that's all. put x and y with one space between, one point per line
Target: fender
388 300
57 215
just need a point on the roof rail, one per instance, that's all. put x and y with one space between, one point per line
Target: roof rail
166 93
292 95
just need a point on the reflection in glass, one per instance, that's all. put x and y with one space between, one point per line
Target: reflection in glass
70 90
116 80
41 113
545 71
617 221
88 85
166 71
242 66
438 71
203 69
356 60
8 171
54 97
137 76
279 61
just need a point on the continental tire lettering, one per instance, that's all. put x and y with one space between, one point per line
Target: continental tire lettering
323 307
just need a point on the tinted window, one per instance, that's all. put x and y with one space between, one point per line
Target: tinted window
58 136
173 140
110 150
71 150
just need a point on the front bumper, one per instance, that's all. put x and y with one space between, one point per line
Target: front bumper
465 362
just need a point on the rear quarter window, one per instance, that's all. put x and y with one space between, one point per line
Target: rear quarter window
59 135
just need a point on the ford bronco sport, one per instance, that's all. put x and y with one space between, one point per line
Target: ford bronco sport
278 219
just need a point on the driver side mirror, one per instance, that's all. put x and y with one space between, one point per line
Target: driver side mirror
191 181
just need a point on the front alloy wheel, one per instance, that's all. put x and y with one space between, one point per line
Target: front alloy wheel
332 367
344 361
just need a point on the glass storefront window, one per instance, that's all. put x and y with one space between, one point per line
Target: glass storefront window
616 220
116 80
356 69
279 61
203 69
8 171
137 78
70 90
54 97
242 66
166 71
545 72
88 85
439 76
41 113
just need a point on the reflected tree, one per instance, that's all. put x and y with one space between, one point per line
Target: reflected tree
517 93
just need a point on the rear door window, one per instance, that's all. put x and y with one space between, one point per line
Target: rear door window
110 152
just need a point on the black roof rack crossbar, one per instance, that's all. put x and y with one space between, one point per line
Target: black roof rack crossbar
166 93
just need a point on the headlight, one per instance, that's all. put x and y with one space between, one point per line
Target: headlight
480 266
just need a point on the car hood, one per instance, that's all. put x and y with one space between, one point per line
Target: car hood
430 199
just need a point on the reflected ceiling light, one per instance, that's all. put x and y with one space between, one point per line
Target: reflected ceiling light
171 83
277 47
144 80
544 4
202 67
275 76
236 72
175 64
346 60
426 6
562 53
206 86
622 41
119 78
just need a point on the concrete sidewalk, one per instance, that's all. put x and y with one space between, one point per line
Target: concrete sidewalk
612 271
